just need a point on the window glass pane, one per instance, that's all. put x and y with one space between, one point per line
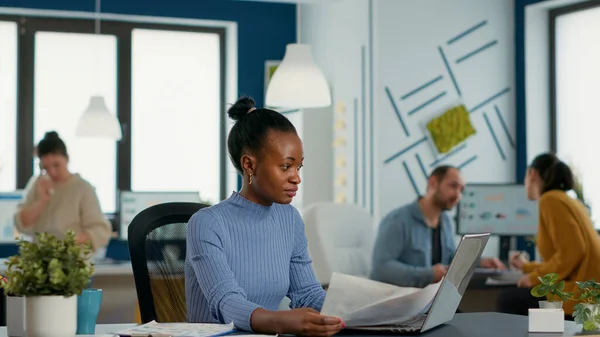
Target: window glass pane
577 83
69 68
175 117
8 106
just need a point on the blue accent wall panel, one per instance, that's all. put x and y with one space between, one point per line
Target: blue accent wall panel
520 109
521 134
264 30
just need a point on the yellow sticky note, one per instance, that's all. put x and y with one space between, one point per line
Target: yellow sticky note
341 180
340 107
340 161
340 124
340 198
339 142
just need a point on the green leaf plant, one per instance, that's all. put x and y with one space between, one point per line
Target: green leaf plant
589 297
551 288
48 267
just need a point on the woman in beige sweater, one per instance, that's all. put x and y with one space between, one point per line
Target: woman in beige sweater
58 200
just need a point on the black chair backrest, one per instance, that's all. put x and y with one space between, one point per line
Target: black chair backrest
157 247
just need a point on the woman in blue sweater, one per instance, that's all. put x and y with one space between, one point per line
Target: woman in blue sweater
247 252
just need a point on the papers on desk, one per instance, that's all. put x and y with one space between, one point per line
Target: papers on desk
362 302
508 277
155 329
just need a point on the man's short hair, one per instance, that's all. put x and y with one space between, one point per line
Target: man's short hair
440 171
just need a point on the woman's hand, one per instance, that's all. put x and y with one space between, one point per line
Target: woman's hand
309 322
517 261
44 188
301 322
525 282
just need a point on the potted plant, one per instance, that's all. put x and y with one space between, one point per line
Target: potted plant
552 290
15 313
49 273
586 312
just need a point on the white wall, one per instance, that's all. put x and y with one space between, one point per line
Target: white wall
406 38
337 32
410 39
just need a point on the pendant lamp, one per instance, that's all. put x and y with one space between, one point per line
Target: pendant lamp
98 122
298 82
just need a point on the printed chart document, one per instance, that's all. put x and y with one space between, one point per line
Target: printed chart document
363 302
178 330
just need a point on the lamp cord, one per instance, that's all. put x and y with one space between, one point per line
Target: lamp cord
298 23
97 25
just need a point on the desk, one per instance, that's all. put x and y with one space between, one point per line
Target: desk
103 330
489 325
463 325
480 296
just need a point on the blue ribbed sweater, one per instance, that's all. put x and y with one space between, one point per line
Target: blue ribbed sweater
242 256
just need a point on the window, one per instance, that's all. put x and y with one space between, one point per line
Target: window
8 105
176 112
69 68
576 81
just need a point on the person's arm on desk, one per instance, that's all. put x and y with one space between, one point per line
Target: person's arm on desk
227 300
29 212
386 268
96 228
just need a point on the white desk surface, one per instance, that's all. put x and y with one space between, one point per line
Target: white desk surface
102 330
102 269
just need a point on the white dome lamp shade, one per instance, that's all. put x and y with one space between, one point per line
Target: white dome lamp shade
98 122
298 82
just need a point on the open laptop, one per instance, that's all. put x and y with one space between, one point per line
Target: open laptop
443 306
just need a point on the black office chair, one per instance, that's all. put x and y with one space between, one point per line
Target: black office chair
157 248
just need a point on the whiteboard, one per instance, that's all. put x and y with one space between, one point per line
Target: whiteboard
132 203
499 209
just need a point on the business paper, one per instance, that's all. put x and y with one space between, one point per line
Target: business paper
179 329
363 302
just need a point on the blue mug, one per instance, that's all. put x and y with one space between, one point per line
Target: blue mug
88 307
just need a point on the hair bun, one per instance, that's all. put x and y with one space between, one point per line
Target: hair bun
240 108
51 135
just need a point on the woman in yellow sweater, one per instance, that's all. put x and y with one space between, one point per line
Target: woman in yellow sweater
566 239
58 200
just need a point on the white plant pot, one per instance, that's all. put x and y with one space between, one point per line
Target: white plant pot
594 309
51 316
551 304
15 316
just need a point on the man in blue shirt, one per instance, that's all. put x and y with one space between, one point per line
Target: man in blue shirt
415 243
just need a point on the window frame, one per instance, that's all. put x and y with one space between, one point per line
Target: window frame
18 112
553 15
29 25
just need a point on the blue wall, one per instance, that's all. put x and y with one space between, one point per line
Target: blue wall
264 29
521 136
520 108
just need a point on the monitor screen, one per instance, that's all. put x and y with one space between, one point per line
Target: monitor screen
9 201
132 203
498 209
